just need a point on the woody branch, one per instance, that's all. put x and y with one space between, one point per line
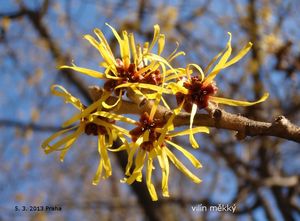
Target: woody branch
216 118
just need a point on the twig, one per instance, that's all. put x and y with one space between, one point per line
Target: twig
33 126
280 127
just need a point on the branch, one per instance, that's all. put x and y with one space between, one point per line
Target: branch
33 126
13 15
280 127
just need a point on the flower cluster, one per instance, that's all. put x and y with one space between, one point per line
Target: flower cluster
148 75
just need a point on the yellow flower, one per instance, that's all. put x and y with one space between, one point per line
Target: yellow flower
151 139
137 64
90 120
198 91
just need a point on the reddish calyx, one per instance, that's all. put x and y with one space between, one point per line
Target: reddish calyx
95 129
197 94
144 124
131 75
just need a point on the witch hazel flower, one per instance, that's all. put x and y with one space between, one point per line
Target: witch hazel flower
137 67
92 121
196 92
151 140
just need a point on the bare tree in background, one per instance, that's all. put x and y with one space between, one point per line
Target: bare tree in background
260 175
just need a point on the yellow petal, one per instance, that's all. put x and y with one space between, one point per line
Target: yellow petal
111 70
138 92
178 71
126 50
174 51
225 56
220 64
201 73
101 49
102 39
239 56
155 57
148 96
176 55
145 48
156 103
139 54
103 64
188 131
121 130
65 140
66 148
176 87
232 102
149 183
154 153
146 136
118 101
110 136
164 164
160 161
181 167
133 48
174 76
178 109
170 74
145 86
161 44
139 164
120 148
213 61
165 103
98 174
173 55
67 96
86 111
165 182
167 126
155 36
120 41
147 68
111 126
187 154
159 93
191 137
61 142
86 71
114 32
130 159
114 117
55 135
103 153
92 41
122 138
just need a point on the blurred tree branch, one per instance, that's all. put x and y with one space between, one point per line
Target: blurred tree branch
33 126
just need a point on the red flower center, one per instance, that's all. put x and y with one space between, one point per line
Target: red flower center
95 129
145 123
131 75
197 94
